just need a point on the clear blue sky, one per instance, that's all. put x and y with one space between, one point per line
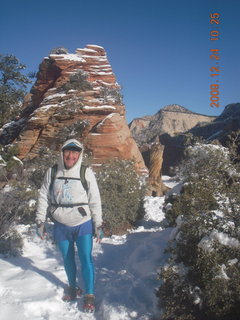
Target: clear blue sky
159 50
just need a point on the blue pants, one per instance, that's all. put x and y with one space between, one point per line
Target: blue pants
84 247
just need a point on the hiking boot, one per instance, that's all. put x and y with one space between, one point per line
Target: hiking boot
71 293
89 303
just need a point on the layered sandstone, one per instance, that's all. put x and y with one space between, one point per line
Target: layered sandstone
78 88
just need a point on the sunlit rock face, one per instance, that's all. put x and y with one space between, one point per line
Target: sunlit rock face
78 90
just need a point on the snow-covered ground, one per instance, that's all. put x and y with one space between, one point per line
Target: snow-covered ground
126 266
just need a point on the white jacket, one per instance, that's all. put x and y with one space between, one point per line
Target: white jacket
67 191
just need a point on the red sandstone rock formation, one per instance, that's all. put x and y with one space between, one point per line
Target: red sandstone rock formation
58 101
155 185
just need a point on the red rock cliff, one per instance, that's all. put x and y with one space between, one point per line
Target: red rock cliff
78 87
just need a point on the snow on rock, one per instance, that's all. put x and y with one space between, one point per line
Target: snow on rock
17 159
101 123
45 108
102 107
2 162
13 123
69 56
53 96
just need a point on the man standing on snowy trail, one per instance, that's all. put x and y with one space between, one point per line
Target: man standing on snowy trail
71 196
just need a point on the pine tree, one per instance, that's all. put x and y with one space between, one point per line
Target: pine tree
13 85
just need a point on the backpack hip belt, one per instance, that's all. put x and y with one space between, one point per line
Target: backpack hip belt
69 205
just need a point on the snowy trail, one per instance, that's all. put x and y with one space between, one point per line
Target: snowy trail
32 285
127 275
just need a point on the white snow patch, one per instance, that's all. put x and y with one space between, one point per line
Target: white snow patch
100 67
45 107
222 274
13 123
109 116
69 56
153 208
207 241
95 134
88 50
99 107
101 73
95 46
33 118
56 95
7 188
17 159
99 58
232 262
32 203
2 162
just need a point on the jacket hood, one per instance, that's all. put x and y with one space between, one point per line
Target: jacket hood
75 169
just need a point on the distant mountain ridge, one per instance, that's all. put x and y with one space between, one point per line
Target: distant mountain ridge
172 119
171 124
175 108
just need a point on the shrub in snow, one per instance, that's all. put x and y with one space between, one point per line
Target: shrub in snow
37 167
77 81
122 195
111 95
202 278
10 165
18 202
75 130
209 177
11 243
59 50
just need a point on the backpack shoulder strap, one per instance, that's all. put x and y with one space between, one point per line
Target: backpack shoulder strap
53 175
83 178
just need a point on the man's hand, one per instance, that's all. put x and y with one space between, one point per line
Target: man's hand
41 231
98 234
